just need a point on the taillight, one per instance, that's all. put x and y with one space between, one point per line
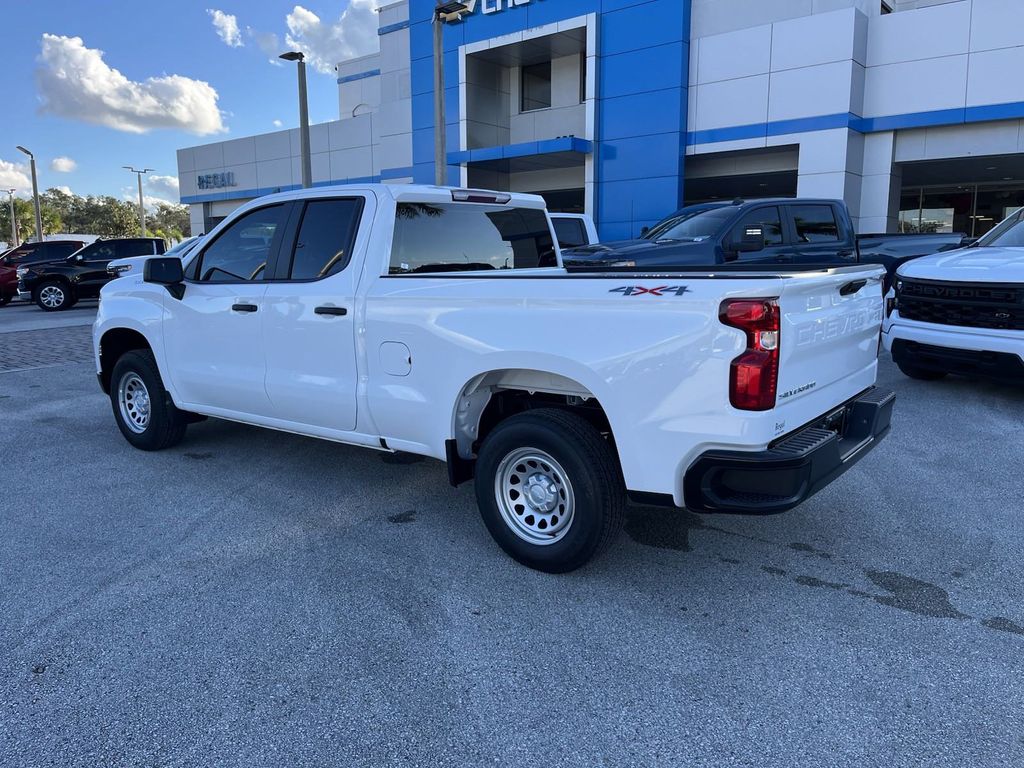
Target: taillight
754 375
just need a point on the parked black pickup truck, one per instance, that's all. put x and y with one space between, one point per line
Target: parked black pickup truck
55 285
784 231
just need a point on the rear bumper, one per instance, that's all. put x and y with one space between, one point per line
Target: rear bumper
793 469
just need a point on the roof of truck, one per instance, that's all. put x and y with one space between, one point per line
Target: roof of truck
419 193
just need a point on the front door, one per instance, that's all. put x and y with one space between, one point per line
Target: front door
769 221
91 271
309 322
213 335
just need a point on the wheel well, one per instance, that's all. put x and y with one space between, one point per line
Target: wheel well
113 344
493 397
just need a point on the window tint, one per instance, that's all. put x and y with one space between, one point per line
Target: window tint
128 248
536 86
768 220
815 224
324 243
241 251
570 232
451 237
100 251
63 250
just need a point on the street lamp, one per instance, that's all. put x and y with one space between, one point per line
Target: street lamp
142 207
305 161
444 13
14 220
35 193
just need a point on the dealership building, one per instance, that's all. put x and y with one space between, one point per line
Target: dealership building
912 112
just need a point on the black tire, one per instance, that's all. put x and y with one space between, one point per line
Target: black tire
591 468
165 425
53 288
921 374
5 300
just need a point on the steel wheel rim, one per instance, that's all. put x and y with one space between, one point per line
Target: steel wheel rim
133 399
534 495
51 296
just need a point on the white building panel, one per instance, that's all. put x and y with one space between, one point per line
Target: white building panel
899 88
238 151
273 146
988 81
732 102
209 156
820 39
812 91
274 173
354 132
989 27
927 33
737 54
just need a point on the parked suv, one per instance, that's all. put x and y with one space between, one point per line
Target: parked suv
29 253
55 285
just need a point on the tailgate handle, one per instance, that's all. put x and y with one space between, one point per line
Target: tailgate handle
851 288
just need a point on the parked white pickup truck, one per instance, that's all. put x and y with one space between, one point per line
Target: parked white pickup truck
962 311
440 322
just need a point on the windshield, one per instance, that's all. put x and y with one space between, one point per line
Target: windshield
181 247
692 224
1009 234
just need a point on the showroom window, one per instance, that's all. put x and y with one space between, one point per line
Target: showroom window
535 87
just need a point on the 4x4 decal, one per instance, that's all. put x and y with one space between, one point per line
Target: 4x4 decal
640 290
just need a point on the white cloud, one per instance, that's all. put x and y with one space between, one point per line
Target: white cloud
76 83
65 189
163 186
14 176
267 42
131 195
227 27
277 123
353 34
63 165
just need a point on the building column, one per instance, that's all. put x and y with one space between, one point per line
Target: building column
830 167
882 183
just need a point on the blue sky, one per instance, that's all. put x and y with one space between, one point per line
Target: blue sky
63 98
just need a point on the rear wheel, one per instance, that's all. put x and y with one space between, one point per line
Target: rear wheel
5 300
921 374
142 407
53 296
550 489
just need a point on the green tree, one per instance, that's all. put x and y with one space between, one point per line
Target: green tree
170 221
25 216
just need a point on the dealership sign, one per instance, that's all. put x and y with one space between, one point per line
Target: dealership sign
216 180
493 6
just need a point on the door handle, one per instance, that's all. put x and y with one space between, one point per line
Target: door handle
244 307
336 311
853 287
784 257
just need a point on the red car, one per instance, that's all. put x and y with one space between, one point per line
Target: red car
8 284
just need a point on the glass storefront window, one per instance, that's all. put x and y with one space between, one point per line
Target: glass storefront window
971 209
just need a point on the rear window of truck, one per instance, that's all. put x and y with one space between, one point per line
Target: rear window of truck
457 237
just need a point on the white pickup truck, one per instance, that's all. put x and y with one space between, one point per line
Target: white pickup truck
440 322
962 311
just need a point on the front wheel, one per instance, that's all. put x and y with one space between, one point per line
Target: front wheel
5 300
142 408
550 489
53 296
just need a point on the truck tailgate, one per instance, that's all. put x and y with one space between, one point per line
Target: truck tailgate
829 343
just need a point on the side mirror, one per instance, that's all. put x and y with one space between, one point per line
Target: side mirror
752 241
79 258
644 231
167 272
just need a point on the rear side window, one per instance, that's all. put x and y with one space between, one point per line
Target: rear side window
451 237
241 251
570 233
62 250
128 248
325 238
815 224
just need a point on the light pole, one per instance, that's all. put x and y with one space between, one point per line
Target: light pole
142 207
444 13
14 220
305 161
35 193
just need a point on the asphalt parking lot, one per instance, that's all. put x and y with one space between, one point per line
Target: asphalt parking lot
258 599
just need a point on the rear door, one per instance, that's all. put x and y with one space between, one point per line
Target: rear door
309 318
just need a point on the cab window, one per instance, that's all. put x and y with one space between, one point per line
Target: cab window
323 245
815 224
241 252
